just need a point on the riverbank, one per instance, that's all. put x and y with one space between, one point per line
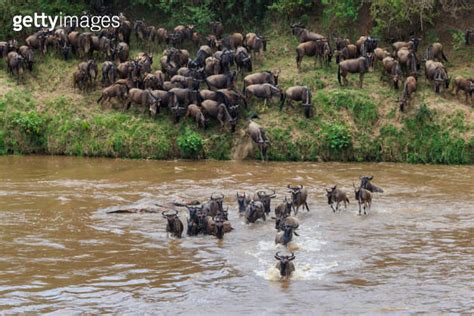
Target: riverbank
45 115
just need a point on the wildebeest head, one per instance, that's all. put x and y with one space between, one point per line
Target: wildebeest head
295 192
284 263
330 194
286 212
242 201
266 199
415 41
171 216
218 199
219 227
366 184
276 74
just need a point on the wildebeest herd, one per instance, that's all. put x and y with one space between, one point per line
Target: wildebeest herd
212 218
218 65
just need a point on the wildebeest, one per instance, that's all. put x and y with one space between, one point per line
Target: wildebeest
80 80
243 60
196 220
299 196
368 46
412 44
392 69
15 63
90 69
363 197
359 65
153 81
186 82
217 28
255 44
285 265
264 91
435 51
284 208
122 52
467 85
366 184
259 137
144 98
303 34
381 53
233 40
286 236
85 44
196 114
437 73
174 224
212 66
220 112
337 196
214 205
167 98
408 88
187 96
242 200
5 48
217 226
221 81
37 41
270 77
27 53
408 61
309 48
109 73
348 52
145 61
226 59
299 93
179 56
254 211
140 29
114 91
265 198
201 55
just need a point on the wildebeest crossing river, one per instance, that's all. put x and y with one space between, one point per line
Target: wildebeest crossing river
62 252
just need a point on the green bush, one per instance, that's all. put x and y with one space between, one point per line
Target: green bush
337 137
190 144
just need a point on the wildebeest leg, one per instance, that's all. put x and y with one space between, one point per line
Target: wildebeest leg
332 207
361 79
337 206
306 205
360 209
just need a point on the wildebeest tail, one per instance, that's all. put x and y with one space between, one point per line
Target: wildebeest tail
339 74
444 56
282 99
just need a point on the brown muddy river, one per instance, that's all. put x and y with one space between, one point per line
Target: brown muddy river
61 252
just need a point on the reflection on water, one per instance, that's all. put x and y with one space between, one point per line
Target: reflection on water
414 252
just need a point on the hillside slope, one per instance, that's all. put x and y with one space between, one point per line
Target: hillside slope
44 114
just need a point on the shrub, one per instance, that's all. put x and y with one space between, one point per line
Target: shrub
336 136
190 144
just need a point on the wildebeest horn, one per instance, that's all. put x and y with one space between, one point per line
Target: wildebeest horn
165 213
217 198
292 257
277 256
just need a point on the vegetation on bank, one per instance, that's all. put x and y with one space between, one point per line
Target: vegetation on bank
45 115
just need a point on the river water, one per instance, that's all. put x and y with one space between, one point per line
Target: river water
62 253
